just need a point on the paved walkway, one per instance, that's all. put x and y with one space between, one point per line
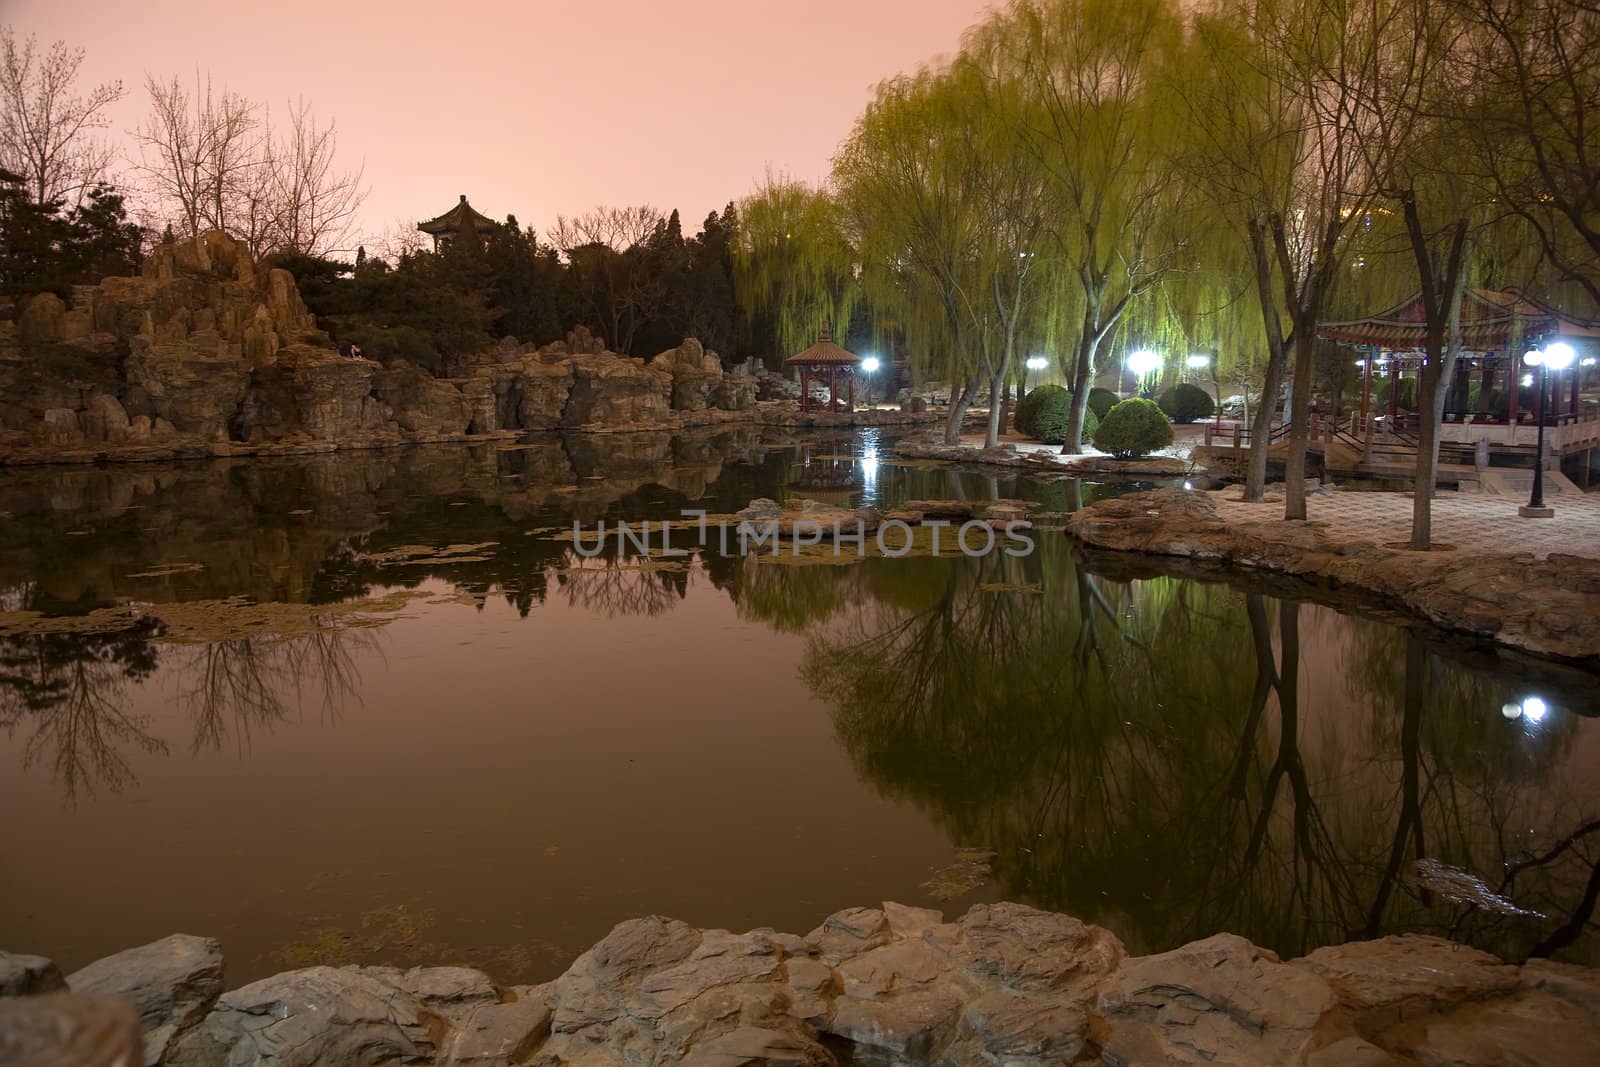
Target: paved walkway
1468 522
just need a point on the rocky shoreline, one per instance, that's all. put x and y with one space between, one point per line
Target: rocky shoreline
1050 462
1003 984
209 354
1549 606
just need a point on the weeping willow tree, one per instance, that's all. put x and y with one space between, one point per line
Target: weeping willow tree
1093 122
793 263
944 221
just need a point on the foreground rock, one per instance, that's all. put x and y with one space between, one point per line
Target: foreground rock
172 983
1549 606
1004 984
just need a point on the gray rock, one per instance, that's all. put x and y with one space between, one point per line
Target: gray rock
846 933
1029 950
23 976
751 1046
1220 1000
498 1033
1395 978
172 984
320 1015
913 1028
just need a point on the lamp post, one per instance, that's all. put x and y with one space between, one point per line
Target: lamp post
869 367
1555 357
1032 363
1140 363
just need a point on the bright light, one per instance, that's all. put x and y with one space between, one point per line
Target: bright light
1533 358
1511 711
1527 380
1143 362
1533 709
1587 361
1037 363
1196 361
870 364
1558 356
1361 363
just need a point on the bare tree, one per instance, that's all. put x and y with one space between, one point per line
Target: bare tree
46 129
315 202
203 154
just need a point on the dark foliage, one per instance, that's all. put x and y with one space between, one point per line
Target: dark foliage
46 248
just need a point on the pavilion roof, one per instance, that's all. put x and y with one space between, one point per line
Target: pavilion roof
456 219
1491 320
824 353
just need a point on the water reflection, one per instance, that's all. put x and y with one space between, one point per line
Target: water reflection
1166 756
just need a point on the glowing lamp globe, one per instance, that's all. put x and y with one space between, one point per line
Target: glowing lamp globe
1558 356
1143 362
1037 363
870 364
1195 362
1533 358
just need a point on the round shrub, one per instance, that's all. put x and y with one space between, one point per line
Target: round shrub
1186 403
1045 413
1101 401
1046 398
1133 428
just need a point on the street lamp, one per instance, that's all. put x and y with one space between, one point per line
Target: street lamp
1032 363
869 366
1142 363
1556 357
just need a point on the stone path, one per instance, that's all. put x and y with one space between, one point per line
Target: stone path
1470 523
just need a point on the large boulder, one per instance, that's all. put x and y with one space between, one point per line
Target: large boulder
320 1015
23 975
43 320
172 983
1221 1000
614 391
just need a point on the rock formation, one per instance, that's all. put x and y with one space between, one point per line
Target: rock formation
209 353
896 985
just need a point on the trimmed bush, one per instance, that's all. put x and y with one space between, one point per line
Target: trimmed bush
1101 401
1134 427
1186 403
1045 413
1046 398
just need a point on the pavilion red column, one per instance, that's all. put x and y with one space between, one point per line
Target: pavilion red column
850 388
1394 390
1576 374
1513 386
833 388
805 392
1366 388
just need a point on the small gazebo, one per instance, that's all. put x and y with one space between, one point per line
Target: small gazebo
1496 327
447 227
825 360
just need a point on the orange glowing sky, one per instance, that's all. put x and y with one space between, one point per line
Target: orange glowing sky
538 107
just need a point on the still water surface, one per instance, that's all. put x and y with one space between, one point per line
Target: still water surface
513 749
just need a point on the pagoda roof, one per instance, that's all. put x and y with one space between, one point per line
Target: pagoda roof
824 354
1491 320
456 219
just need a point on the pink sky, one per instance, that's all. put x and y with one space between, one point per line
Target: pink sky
538 107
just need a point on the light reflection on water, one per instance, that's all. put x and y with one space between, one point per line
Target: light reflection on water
518 752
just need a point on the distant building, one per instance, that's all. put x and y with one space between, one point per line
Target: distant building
444 229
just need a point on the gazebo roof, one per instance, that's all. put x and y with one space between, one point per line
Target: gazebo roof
1491 320
824 354
456 219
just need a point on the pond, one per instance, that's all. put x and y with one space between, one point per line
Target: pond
373 707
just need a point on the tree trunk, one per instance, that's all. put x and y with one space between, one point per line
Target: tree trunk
997 402
1294 467
1442 302
958 411
1255 482
1082 382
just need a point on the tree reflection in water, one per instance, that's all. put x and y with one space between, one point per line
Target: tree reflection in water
68 692
1170 759
241 685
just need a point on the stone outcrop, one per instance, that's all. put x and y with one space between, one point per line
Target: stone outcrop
894 985
172 984
207 353
1549 606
